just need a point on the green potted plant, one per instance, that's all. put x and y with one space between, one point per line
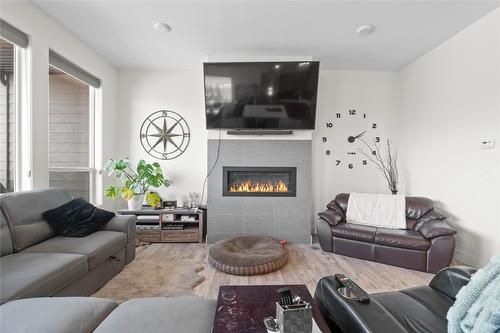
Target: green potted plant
136 182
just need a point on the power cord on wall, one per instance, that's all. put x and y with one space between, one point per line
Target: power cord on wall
211 169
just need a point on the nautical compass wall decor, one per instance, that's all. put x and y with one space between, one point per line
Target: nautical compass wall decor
165 135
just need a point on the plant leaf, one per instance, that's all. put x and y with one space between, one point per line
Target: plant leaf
153 199
121 164
136 188
111 191
109 166
155 181
140 166
127 193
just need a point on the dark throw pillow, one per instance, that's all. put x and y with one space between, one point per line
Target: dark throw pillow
77 218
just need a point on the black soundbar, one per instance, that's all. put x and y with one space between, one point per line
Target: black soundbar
259 132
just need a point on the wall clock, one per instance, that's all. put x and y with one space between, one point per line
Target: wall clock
165 135
347 132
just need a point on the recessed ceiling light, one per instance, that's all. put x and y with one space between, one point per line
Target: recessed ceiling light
365 29
162 27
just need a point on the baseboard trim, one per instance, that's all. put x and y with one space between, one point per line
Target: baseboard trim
466 258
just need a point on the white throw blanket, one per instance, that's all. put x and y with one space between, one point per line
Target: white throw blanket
377 210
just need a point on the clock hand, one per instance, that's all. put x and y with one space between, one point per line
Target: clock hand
351 139
360 135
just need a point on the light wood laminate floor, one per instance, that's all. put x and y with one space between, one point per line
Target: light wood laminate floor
307 264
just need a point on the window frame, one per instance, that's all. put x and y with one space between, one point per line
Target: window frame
95 142
24 124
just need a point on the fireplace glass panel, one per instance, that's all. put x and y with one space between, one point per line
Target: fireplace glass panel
259 181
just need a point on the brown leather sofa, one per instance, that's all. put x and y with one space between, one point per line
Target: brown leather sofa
426 245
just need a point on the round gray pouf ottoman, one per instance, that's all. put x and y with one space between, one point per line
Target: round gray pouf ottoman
248 255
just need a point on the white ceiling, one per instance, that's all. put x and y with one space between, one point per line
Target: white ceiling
122 31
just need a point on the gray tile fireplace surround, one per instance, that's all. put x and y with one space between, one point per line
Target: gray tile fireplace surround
280 217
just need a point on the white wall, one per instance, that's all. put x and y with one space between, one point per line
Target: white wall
450 102
45 33
141 93
371 93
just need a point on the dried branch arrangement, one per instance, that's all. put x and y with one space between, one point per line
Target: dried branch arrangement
387 164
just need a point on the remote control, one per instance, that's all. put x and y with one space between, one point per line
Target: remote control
284 296
270 324
361 295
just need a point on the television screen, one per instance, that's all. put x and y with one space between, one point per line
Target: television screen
261 95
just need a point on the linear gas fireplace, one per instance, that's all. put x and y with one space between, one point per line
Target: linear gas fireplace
259 181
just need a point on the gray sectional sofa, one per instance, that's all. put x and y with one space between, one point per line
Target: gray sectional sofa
87 314
35 262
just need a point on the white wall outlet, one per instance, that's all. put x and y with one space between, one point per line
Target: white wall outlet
488 144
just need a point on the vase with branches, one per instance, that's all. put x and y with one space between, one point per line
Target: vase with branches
387 164
136 182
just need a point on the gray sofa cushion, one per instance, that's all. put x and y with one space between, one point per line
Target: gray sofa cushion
23 212
25 275
173 314
54 314
6 246
98 246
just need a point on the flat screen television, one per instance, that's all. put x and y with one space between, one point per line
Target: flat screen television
261 95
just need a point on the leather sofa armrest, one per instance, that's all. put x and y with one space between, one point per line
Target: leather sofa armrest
350 315
331 216
434 214
450 280
122 223
435 228
334 205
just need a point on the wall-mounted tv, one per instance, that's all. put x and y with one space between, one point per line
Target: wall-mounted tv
261 95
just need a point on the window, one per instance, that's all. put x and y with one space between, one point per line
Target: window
15 131
72 134
7 117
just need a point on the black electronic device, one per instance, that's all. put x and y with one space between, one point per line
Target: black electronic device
270 324
173 226
170 204
261 95
284 296
361 295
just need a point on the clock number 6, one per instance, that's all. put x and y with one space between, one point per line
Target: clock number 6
351 166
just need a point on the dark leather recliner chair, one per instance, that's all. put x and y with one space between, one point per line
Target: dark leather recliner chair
426 245
415 310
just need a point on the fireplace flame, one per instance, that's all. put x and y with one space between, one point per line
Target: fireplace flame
249 186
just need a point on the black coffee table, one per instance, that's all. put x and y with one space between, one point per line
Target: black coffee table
242 308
